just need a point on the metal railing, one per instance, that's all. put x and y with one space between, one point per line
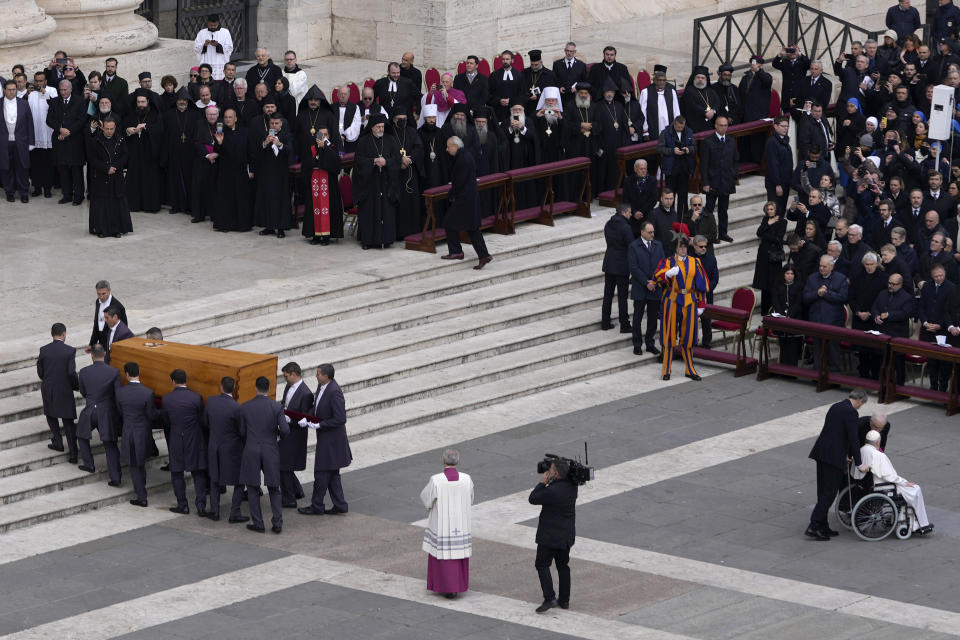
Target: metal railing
735 36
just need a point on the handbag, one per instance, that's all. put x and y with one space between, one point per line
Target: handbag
776 255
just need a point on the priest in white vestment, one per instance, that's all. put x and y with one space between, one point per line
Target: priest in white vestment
448 496
214 45
883 471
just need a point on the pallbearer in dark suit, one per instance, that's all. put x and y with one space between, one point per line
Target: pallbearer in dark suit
333 450
105 299
138 415
718 173
57 370
225 421
114 331
293 447
263 422
182 413
16 141
837 442
98 384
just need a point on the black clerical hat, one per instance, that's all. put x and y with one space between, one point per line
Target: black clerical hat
144 75
375 119
609 85
583 86
268 100
757 59
183 94
483 112
459 108
700 69
659 69
398 110
626 86
534 55
726 66
314 93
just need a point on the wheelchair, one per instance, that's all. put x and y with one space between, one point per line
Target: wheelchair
874 511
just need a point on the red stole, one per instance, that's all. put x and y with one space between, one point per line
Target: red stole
320 194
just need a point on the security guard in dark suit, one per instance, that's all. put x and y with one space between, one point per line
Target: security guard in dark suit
556 531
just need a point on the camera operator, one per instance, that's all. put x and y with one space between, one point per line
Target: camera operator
556 530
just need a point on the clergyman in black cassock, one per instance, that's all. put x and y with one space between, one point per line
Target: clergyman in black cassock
263 422
179 127
581 134
549 119
271 168
106 158
138 415
205 167
182 412
234 208
410 202
612 136
98 384
143 131
333 450
699 101
533 80
523 150
293 446
224 421
631 107
377 184
57 370
434 163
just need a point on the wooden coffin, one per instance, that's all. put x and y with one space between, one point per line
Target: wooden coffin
205 366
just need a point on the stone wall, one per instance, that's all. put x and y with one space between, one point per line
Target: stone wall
301 25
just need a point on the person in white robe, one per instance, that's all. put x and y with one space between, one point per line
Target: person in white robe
447 540
883 471
41 156
214 45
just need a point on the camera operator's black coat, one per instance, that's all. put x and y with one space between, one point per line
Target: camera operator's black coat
556 527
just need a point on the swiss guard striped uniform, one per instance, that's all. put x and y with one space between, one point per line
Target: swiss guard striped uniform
683 294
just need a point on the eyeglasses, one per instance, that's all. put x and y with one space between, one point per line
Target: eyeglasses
68 68
194 75
697 205
701 246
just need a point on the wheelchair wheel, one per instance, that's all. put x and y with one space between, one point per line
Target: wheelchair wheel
904 531
843 508
874 517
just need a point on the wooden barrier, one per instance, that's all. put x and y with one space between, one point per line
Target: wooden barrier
930 352
629 154
742 364
427 239
839 337
549 207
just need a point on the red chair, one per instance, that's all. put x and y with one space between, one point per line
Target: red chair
643 80
484 67
590 66
461 68
354 92
497 63
349 208
774 103
334 95
518 61
744 299
432 77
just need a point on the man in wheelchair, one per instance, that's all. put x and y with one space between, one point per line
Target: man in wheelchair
885 475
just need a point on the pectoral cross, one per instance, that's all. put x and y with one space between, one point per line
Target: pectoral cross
403 152
183 138
549 132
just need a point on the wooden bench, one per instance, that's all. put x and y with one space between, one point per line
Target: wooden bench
629 154
427 239
929 351
549 207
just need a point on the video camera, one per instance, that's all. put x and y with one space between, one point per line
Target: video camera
579 472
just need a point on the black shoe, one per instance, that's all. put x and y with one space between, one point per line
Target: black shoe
694 376
626 329
831 532
653 349
114 483
36 192
605 326
666 376
564 604
183 510
77 203
55 447
637 351
365 246
276 528
118 235
202 513
266 232
290 505
483 262
324 240
47 194
72 460
213 516
63 200
546 606
84 467
11 197
138 503
925 530
253 527
165 467
726 238
450 596
815 534
100 235
310 511
315 240
238 520
281 234
24 199
660 357
335 511
196 219
707 346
